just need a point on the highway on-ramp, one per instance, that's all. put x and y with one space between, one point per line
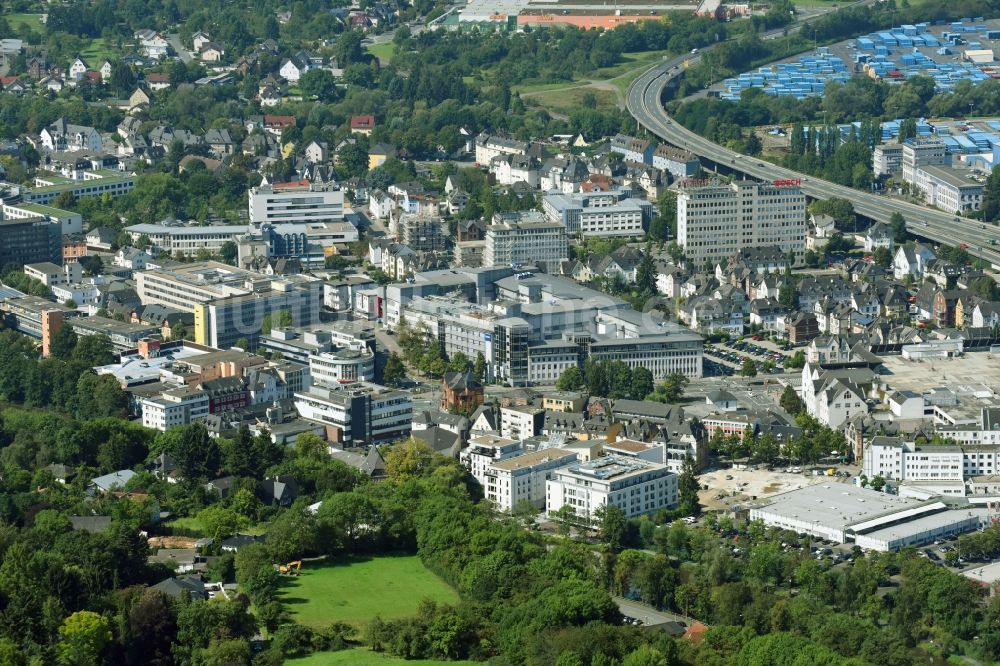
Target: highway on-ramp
644 103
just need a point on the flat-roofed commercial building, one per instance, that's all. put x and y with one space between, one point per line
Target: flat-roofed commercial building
30 240
525 239
601 214
230 303
357 413
716 219
871 519
298 201
635 486
187 239
94 184
69 222
342 365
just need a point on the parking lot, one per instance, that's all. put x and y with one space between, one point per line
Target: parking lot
733 354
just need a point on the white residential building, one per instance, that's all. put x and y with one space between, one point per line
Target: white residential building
911 261
716 219
836 396
484 450
174 407
490 146
637 487
521 422
523 478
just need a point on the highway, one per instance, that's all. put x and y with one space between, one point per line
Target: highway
644 103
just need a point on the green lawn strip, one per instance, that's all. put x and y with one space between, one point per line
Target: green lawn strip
356 590
363 657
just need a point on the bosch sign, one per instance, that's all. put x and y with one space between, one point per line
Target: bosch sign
791 182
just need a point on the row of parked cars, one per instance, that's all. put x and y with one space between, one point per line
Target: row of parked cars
733 357
757 350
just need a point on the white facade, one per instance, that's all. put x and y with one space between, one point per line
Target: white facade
484 450
715 219
635 486
523 478
174 408
295 202
541 243
520 422
342 365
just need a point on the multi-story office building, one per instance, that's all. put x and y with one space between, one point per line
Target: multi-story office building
523 478
536 325
715 219
660 354
601 214
229 303
525 238
123 335
887 159
299 201
952 190
357 413
342 365
923 153
635 486
30 241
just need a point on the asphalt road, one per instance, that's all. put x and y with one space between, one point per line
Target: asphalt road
644 103
647 614
179 48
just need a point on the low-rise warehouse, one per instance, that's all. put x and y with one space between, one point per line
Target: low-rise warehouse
870 519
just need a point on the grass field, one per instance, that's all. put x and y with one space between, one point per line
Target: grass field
33 21
356 590
95 53
194 525
362 657
566 101
384 52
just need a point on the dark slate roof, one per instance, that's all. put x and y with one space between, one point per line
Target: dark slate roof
175 587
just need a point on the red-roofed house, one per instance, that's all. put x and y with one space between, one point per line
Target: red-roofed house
157 81
362 124
277 124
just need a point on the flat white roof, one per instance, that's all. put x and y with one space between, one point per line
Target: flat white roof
836 505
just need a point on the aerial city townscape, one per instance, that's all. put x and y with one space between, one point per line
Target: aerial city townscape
512 332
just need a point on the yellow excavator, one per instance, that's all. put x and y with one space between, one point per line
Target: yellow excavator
290 569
